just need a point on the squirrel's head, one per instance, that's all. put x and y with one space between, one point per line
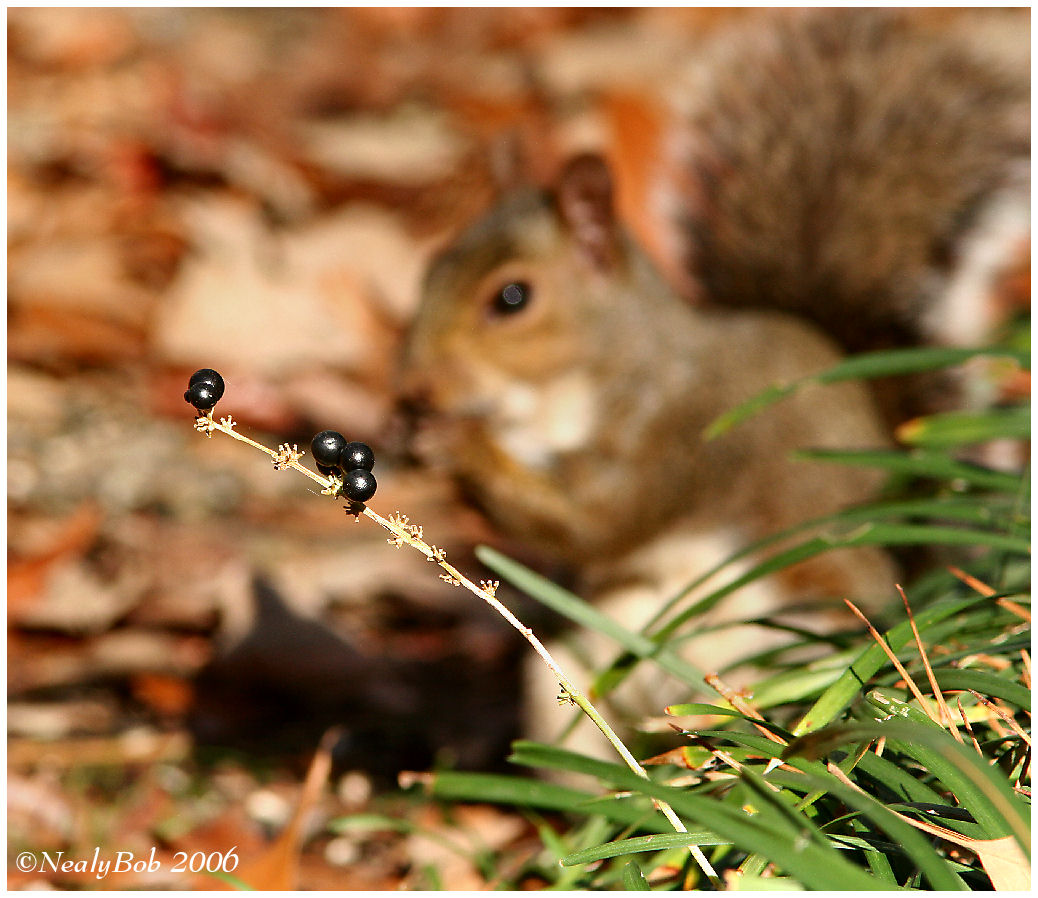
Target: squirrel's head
524 320
515 286
510 318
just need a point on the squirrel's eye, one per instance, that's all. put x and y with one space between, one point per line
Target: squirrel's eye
511 298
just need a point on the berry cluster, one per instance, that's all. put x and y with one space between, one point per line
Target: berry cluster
334 455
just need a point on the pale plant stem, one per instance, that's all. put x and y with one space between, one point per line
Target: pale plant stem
403 532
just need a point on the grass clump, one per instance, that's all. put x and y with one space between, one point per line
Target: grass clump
897 759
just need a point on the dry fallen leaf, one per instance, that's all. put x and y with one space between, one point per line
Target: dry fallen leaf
1003 859
277 869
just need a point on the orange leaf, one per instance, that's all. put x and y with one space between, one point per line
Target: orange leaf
277 869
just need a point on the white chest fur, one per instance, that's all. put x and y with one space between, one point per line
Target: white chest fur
537 422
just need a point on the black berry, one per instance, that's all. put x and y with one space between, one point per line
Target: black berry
207 374
203 395
359 485
356 455
326 448
205 388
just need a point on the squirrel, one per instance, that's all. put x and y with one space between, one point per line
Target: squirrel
850 179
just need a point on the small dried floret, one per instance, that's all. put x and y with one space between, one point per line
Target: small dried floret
286 455
334 488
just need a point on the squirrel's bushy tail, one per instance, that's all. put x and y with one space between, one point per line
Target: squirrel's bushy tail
863 168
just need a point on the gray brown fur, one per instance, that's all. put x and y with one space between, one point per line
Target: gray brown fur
833 158
836 160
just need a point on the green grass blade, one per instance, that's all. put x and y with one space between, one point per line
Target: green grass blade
586 615
913 843
878 863
891 362
501 789
558 843
953 429
886 705
840 695
788 688
877 534
907 788
688 708
640 844
922 463
815 864
801 683
978 788
767 833
758 745
537 754
984 511
493 788
863 367
884 534
633 879
748 409
990 685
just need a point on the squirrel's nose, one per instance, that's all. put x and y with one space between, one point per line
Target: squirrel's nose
412 405
415 404
414 394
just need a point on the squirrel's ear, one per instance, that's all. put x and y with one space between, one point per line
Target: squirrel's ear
585 202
